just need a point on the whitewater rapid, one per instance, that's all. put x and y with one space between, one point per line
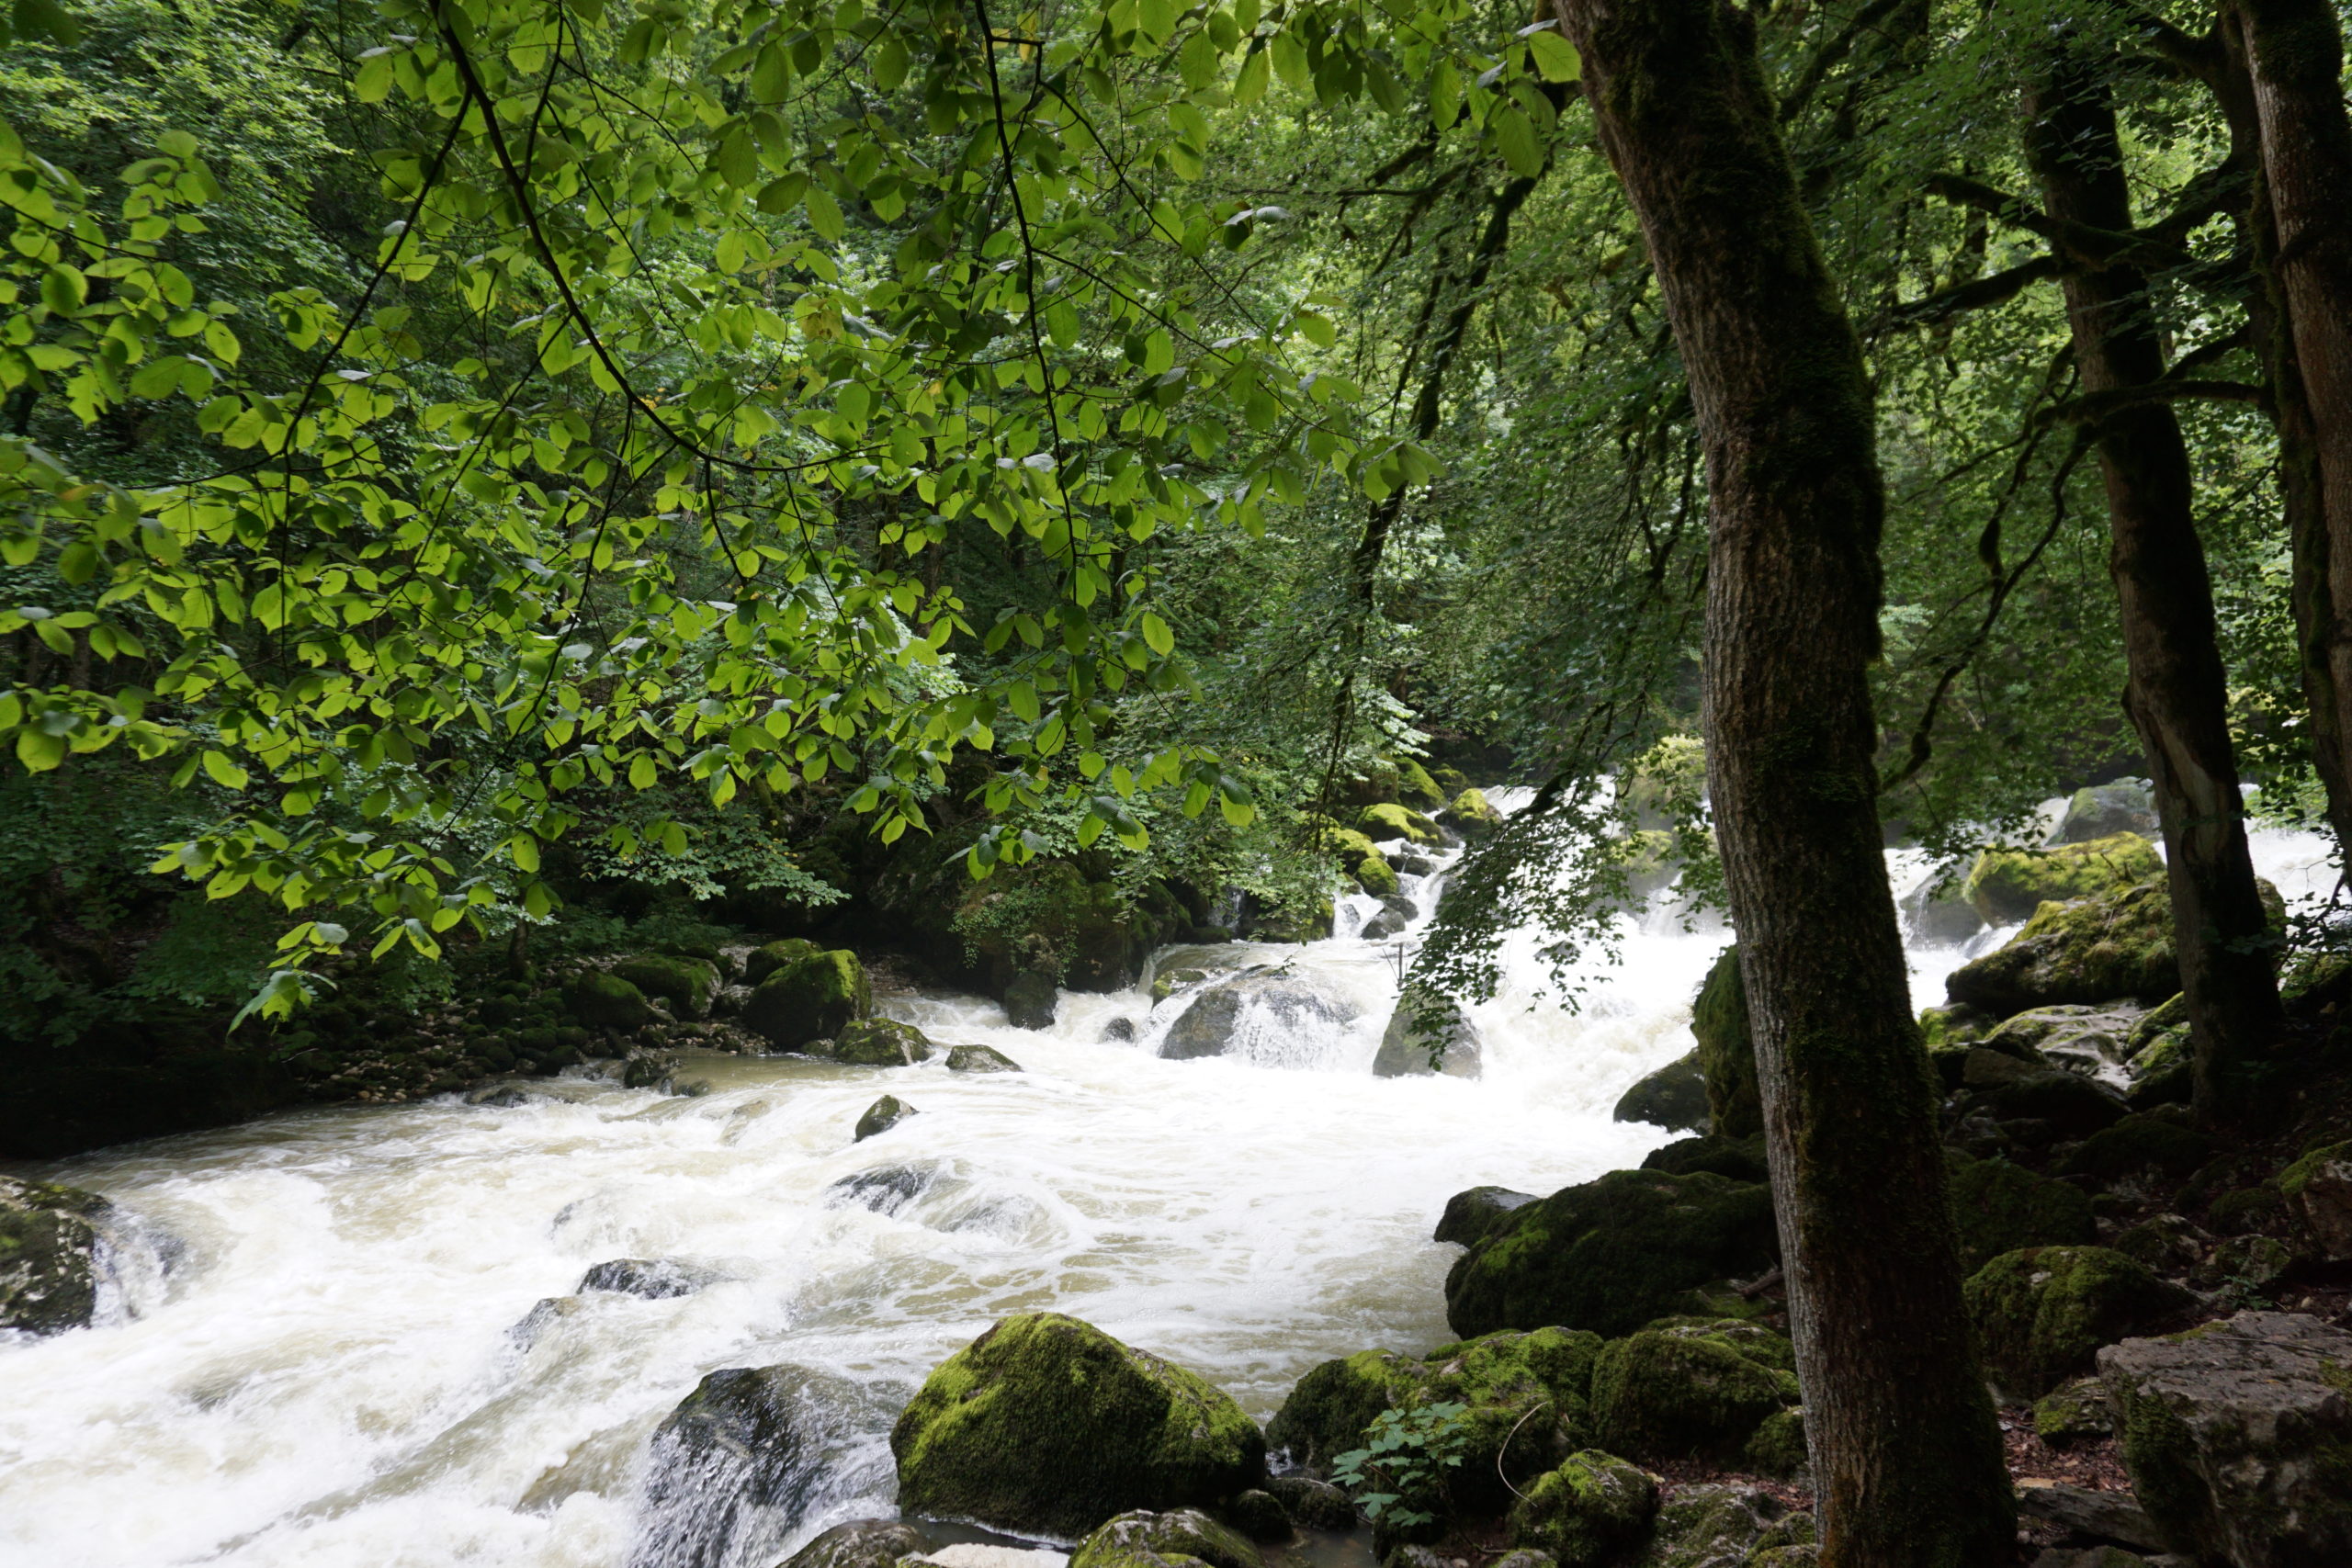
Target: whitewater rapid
315 1364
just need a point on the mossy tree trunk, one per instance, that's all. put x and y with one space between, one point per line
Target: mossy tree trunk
1905 1454
2176 693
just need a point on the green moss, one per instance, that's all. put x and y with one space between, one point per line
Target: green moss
1612 1254
1388 820
1375 876
1472 816
2094 951
1047 1425
1779 1446
766 961
2245 1211
1181 1535
881 1116
687 983
1726 1050
1589 1512
2039 1314
1678 1394
2075 1414
48 1249
981 1059
814 998
1416 788
2009 885
1674 1097
607 1001
881 1043
1999 1207
2141 1144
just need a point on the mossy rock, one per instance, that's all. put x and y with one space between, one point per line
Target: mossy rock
881 1116
1375 876
814 998
49 1249
862 1543
1673 1097
1182 1537
1589 1512
2009 885
763 961
2073 1106
607 1001
1469 1215
1778 1447
981 1059
2245 1212
1684 1394
1998 1207
2145 1143
1721 1525
2092 950
881 1043
1416 788
1526 1396
1472 817
1049 1425
1737 1160
1389 820
2075 1412
1315 1504
1727 1050
2040 1315
2317 1191
687 983
1612 1255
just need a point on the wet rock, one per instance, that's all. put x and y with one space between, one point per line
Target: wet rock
2093 950
981 1059
1144 1539
1390 821
1031 999
1312 1504
1526 1398
2009 885
648 1069
607 1001
1424 1020
1999 1207
688 985
50 1244
1690 1393
2238 1436
881 1116
1168 982
2111 1516
861 1544
1409 863
1935 914
1469 1215
994 1436
2101 811
1211 1023
2042 1314
886 1188
504 1096
881 1043
1739 1160
1726 1052
655 1279
1259 1516
548 1312
1726 1525
1612 1255
1384 925
813 997
1471 816
1673 1097
2317 1193
1121 1028
743 1455
1590 1513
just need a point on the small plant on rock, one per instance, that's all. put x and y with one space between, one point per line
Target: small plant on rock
1399 1475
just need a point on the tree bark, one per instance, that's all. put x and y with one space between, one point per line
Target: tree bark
2177 695
2288 56
1905 1454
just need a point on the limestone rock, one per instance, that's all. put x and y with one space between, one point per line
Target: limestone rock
1218 1017
881 1116
981 1059
1588 1513
655 1279
1724 1526
881 1043
747 1445
2039 1314
1673 1097
2101 811
2317 1190
1183 1537
2238 1436
994 1436
2077 1413
2117 1516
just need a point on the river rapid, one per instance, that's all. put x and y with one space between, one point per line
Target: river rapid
313 1359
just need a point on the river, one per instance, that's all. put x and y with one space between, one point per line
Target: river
314 1359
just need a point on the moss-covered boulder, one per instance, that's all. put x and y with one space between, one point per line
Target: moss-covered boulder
687 983
1389 820
49 1247
2317 1193
2101 811
881 1116
1526 1397
2073 1413
1470 1214
1180 1538
1471 816
1612 1255
1591 1512
1030 1000
1427 1026
1689 1392
2042 1314
1777 1446
2149 1145
1721 1525
2096 949
881 1043
763 961
2092 1041
607 1001
813 997
862 1543
1375 875
1998 1207
2009 885
2238 1436
981 1059
1736 1160
1046 1425
1728 1051
1673 1097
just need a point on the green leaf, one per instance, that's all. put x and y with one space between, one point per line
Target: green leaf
1514 136
224 772
824 212
1156 633
1555 57
1250 85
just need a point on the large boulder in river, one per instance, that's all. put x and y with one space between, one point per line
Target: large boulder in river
813 997
1427 1025
2094 950
49 1247
1047 1425
745 1451
881 1043
1177 1538
2009 885
2101 811
1727 1050
2238 1436
1221 1015
1674 1097
862 1543
1612 1255
1031 999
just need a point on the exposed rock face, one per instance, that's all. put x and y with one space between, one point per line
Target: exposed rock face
981 1059
1727 1051
886 1190
881 1043
1938 916
1612 1254
655 1279
2039 1314
2092 1041
862 1543
881 1116
996 1435
1422 1020
2238 1436
812 997
1674 1097
1469 1215
49 1249
1176 1539
2009 885
1589 1512
1214 1021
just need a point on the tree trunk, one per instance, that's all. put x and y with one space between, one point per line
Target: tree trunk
1905 1454
2176 693
2290 54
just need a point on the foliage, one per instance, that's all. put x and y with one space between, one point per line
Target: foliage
1398 1475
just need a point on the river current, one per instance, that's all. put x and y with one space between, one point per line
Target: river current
313 1358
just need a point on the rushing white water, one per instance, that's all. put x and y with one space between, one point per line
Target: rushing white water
325 1374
